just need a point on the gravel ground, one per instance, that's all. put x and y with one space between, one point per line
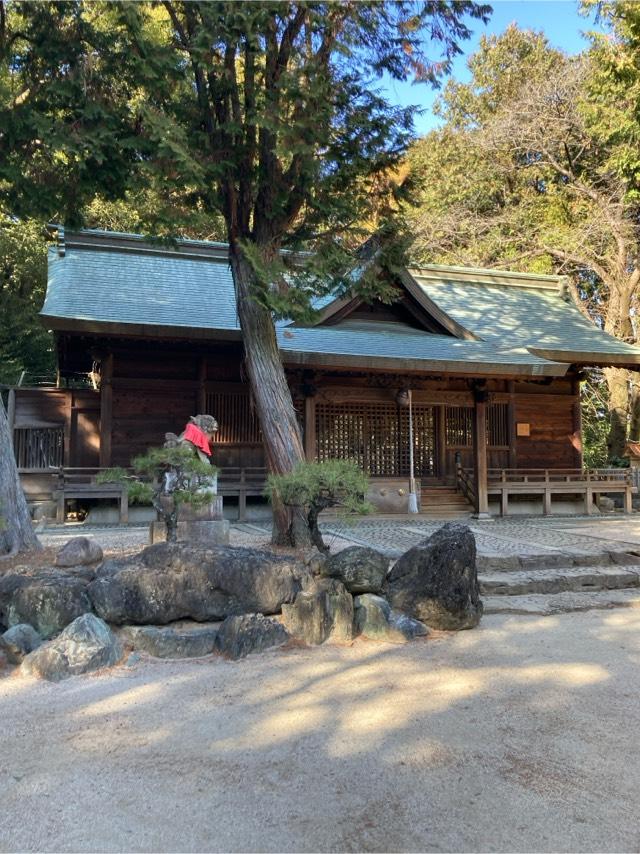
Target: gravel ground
522 735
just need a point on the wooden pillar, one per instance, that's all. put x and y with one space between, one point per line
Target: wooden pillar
480 453
441 442
511 425
67 429
310 429
106 410
201 404
577 422
11 412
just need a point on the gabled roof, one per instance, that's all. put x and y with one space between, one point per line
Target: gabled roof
491 322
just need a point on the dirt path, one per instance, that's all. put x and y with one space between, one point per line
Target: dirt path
522 735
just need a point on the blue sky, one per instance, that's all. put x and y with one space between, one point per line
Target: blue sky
558 19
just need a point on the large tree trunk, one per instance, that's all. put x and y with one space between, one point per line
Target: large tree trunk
634 409
16 530
280 429
617 383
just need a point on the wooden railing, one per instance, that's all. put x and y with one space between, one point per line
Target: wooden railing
242 482
81 483
568 475
465 482
548 482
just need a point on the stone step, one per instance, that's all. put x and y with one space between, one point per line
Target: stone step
560 603
431 513
488 564
566 579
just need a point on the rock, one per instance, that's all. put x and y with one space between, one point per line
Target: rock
606 504
242 635
180 640
19 641
321 612
174 581
79 551
374 619
437 580
85 645
46 599
360 569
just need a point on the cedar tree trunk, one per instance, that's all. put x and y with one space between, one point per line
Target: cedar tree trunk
16 530
617 383
282 437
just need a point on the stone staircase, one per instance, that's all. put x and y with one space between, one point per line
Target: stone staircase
443 502
553 584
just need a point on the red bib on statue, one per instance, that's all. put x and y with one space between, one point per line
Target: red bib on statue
198 438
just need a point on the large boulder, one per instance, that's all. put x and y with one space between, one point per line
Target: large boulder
85 645
175 581
19 641
180 640
242 635
46 599
322 612
360 569
374 619
78 551
437 580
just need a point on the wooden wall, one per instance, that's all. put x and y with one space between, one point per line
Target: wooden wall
155 386
77 411
154 390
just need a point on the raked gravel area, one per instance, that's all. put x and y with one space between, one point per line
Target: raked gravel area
521 735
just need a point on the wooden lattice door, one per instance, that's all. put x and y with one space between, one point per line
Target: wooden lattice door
376 436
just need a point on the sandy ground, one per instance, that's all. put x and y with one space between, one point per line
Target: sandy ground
522 735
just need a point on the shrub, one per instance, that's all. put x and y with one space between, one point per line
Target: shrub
316 486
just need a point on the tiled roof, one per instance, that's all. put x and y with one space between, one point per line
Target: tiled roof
99 281
520 313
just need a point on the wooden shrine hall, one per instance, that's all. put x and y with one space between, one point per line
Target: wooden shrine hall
493 361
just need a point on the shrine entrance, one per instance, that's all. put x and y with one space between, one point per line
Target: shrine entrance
376 436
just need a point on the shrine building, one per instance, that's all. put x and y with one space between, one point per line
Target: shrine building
493 361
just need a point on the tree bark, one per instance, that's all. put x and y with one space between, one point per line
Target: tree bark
16 530
281 432
634 410
617 383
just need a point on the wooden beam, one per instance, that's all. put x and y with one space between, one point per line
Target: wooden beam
106 410
480 453
310 428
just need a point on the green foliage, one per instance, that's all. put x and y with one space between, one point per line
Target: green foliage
24 344
335 483
535 169
261 117
148 483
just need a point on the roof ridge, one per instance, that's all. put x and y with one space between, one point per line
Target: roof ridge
479 276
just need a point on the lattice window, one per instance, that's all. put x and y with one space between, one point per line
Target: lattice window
498 425
376 436
38 447
238 423
458 426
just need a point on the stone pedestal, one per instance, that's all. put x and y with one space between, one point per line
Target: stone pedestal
203 533
210 512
